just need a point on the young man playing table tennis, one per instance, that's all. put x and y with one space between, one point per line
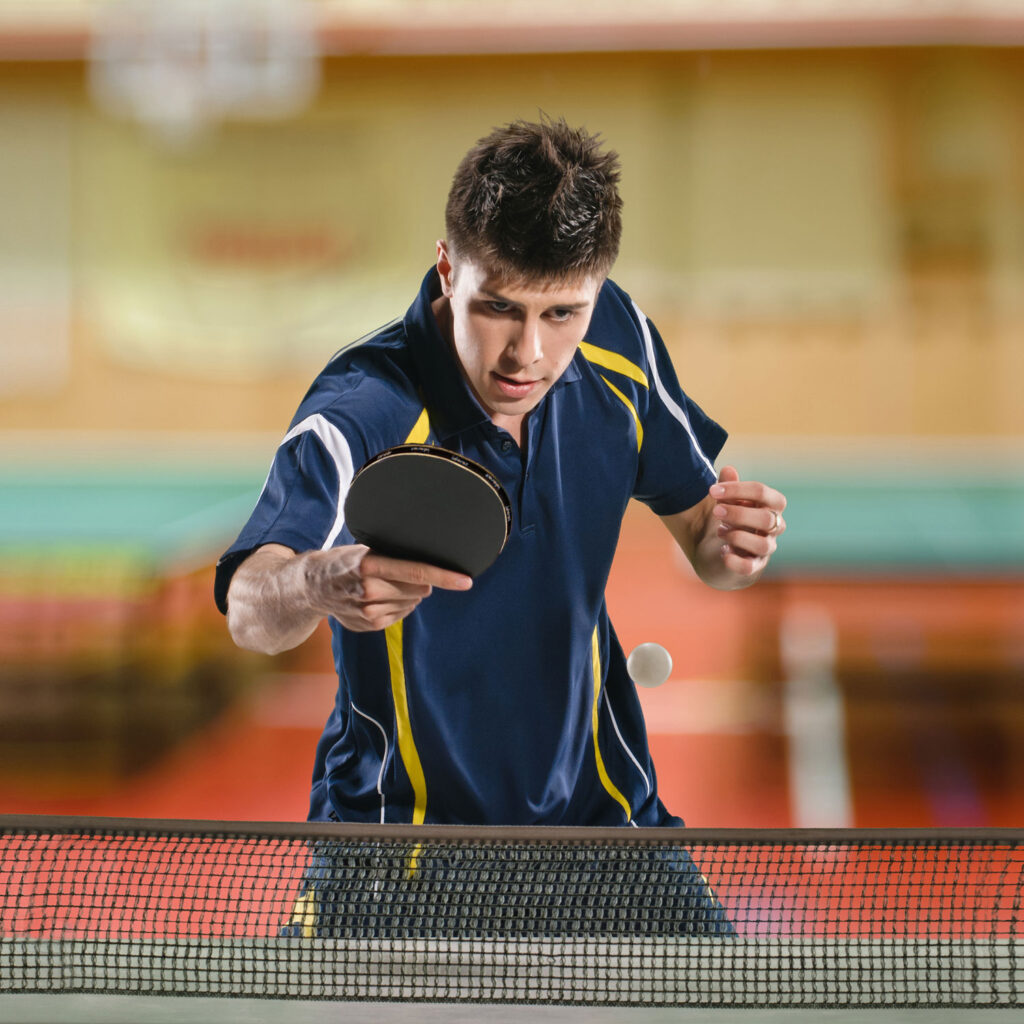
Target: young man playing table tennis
505 699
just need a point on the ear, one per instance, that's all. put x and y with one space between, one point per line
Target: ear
445 270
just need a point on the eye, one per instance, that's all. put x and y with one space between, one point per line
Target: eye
561 315
499 307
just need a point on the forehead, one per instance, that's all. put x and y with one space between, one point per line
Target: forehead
478 277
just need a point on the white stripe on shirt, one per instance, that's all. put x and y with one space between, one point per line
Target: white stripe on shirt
669 401
337 447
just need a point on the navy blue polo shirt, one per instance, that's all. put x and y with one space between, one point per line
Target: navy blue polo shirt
508 703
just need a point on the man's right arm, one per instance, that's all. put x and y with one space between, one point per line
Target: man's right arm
277 597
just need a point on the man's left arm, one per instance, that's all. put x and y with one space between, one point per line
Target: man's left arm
730 536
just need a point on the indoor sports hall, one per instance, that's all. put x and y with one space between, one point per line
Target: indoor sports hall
200 202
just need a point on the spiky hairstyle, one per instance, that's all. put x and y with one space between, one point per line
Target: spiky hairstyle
537 201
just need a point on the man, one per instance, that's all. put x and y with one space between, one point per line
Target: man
503 700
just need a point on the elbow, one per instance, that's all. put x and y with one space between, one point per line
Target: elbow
241 635
247 635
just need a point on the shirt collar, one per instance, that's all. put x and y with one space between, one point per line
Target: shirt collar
450 402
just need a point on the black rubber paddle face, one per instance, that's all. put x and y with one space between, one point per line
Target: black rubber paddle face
428 504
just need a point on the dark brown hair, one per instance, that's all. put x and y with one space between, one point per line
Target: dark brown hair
537 201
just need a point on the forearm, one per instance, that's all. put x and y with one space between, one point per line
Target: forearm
268 606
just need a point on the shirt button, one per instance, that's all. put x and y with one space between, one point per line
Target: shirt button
506 445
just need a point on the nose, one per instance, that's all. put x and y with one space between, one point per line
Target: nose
526 347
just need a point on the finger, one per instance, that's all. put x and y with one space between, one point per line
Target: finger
741 563
747 544
419 574
381 614
380 590
748 492
727 475
754 518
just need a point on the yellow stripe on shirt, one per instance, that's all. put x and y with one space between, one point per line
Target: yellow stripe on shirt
412 864
613 361
420 431
406 743
612 789
304 914
632 411
396 663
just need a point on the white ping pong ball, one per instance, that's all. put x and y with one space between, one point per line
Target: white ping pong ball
649 665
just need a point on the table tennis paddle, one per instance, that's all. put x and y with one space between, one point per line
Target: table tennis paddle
429 504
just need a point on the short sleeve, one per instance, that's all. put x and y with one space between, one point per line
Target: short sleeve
681 442
302 500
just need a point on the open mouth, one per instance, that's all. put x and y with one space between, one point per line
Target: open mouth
514 388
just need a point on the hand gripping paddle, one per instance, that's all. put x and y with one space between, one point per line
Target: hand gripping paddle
429 504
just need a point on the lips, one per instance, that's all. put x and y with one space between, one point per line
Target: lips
512 388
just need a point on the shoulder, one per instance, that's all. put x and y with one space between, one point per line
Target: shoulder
617 320
618 338
379 359
368 392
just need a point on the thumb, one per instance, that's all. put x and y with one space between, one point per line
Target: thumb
728 475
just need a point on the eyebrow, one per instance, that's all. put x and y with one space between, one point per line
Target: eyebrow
498 297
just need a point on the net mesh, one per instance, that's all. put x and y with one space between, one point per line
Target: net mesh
616 917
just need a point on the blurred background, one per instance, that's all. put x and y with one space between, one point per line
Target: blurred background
200 202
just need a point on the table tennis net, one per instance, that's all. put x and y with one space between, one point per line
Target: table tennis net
613 917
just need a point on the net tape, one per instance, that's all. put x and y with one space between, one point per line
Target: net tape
614 917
